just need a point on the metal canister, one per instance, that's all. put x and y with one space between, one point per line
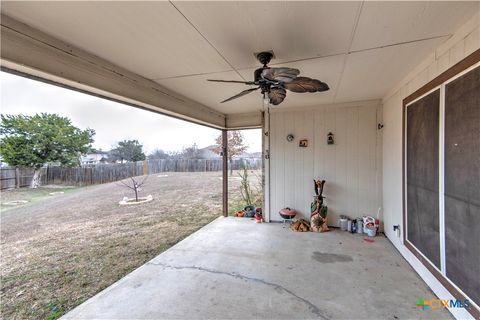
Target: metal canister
359 225
354 226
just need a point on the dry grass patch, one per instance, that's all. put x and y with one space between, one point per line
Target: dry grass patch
60 251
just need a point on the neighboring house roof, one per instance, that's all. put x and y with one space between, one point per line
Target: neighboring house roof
207 152
250 155
94 157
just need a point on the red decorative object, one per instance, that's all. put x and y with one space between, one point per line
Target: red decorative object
287 213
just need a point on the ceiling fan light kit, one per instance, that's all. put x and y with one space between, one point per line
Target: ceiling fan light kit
274 82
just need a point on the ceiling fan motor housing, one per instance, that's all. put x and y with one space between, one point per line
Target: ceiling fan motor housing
273 82
264 57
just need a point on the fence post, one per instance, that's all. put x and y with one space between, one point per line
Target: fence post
17 178
145 167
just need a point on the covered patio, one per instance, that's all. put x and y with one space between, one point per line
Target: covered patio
237 269
396 137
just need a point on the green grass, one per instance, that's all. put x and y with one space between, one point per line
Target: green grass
235 205
32 195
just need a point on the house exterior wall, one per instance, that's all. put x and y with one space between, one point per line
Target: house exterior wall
464 42
351 167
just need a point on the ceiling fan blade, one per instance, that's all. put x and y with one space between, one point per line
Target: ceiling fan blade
280 74
305 84
276 95
232 81
244 92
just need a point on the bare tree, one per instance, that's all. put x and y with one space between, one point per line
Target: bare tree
135 186
158 154
235 146
190 152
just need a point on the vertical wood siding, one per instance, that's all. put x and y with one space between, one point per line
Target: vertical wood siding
350 166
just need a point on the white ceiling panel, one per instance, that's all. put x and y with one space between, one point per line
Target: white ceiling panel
369 74
151 39
294 30
181 44
390 22
211 93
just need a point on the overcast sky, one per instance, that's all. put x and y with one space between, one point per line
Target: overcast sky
111 121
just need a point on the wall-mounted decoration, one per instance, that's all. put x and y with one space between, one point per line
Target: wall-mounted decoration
290 137
303 143
330 138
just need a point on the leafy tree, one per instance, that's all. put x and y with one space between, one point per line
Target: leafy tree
235 146
128 150
33 141
158 154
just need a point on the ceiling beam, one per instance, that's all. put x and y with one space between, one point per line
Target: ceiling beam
31 52
244 120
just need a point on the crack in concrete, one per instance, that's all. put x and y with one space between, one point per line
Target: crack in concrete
313 308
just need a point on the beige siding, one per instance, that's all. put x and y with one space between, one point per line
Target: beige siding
464 42
350 166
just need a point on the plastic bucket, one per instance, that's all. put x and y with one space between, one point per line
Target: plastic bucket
367 222
371 232
343 224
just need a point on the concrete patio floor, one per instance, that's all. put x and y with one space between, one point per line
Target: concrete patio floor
236 269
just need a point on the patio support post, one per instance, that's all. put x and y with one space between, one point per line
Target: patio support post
266 164
225 172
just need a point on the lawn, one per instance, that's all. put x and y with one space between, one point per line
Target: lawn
59 250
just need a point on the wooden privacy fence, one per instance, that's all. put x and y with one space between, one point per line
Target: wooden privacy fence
15 177
103 173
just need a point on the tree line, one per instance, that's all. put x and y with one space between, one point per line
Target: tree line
35 141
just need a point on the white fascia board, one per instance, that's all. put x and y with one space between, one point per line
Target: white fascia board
244 120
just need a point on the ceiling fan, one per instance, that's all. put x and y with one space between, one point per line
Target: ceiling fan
274 82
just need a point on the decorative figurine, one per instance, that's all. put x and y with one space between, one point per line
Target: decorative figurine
318 217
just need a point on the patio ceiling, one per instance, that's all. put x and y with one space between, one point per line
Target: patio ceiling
361 49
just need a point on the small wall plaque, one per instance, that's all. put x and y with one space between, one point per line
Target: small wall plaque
303 143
